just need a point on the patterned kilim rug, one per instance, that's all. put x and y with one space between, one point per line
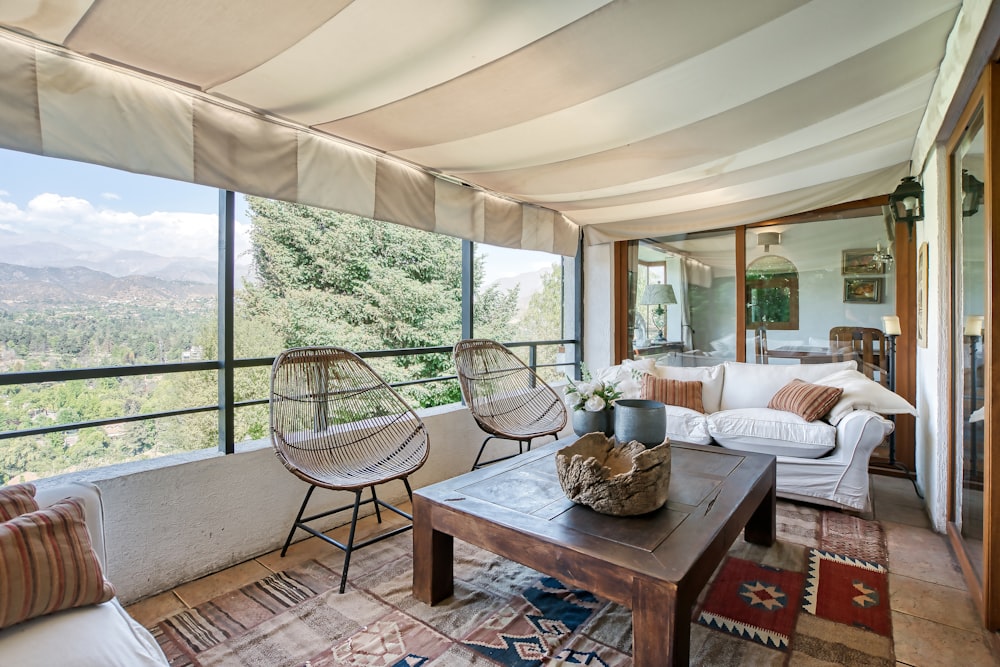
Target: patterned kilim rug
817 596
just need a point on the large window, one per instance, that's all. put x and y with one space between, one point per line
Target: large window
114 346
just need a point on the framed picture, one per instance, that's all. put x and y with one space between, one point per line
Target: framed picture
922 295
863 290
860 261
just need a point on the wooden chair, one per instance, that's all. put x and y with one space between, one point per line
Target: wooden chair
336 424
506 398
760 345
865 345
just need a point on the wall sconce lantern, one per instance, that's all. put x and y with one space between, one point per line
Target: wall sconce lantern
768 239
972 194
907 203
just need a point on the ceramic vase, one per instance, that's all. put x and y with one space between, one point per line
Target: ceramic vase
640 420
602 421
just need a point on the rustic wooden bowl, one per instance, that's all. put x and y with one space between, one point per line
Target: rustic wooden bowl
621 481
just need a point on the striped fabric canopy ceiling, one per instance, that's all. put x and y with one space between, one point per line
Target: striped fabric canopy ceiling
627 118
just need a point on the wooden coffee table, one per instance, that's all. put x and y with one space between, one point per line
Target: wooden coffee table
655 564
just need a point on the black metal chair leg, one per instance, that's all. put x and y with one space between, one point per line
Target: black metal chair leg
481 450
409 491
350 540
298 519
378 514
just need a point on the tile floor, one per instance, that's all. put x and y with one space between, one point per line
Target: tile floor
933 617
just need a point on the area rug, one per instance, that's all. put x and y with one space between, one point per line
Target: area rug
795 602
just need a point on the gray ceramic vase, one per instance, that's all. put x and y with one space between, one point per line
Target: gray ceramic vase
602 421
640 420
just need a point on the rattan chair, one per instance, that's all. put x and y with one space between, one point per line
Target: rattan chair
507 399
336 424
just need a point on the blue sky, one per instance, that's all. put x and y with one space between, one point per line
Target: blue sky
84 205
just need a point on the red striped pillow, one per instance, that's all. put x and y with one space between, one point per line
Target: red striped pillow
47 564
683 393
809 401
16 500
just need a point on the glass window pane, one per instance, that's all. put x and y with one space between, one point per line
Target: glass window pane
683 299
803 280
521 297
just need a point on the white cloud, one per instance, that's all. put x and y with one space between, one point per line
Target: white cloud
111 195
76 222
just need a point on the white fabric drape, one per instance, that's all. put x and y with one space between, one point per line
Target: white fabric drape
628 118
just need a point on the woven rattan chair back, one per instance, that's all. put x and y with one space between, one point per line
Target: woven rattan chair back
337 425
506 397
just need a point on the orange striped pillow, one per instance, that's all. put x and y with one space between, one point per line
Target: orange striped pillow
47 564
683 393
16 500
809 401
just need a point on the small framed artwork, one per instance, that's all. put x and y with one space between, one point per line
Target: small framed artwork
863 290
922 295
860 261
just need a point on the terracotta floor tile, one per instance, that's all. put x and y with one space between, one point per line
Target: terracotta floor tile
933 602
156 608
214 585
921 554
911 516
923 643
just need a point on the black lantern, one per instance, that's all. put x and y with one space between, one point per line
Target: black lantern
972 194
907 203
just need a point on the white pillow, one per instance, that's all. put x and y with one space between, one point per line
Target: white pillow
862 393
753 385
711 378
771 432
686 425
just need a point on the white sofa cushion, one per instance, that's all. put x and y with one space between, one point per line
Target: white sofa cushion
771 432
101 634
684 425
711 378
862 393
753 385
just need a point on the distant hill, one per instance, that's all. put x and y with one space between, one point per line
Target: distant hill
114 262
25 286
530 283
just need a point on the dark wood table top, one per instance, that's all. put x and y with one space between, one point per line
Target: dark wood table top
708 486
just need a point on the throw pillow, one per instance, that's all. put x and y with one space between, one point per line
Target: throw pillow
863 393
809 401
47 564
686 394
16 500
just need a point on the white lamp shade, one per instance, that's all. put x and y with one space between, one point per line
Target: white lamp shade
657 294
890 325
974 325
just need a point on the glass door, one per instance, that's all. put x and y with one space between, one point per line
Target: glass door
969 308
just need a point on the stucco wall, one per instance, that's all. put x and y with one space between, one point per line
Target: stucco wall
179 518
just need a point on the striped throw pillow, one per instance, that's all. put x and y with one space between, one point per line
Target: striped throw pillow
16 500
47 564
809 401
683 393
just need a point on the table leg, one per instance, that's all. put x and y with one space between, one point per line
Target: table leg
661 624
433 557
762 526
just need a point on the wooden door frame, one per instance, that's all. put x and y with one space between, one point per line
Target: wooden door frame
985 593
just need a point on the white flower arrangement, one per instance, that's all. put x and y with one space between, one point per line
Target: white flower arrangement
590 395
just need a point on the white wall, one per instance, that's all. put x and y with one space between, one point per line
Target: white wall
178 518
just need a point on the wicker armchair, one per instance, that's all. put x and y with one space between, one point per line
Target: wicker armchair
507 399
336 424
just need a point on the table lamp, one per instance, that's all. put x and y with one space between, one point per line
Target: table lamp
658 295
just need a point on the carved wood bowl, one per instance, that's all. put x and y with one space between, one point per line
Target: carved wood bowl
621 481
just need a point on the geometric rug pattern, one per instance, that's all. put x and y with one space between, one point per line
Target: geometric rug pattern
799 601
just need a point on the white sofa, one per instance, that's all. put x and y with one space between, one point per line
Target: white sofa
101 635
825 461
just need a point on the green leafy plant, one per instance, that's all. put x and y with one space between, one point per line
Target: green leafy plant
591 395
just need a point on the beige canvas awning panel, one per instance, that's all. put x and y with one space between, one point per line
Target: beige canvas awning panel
515 123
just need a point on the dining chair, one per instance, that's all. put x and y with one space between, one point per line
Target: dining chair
867 346
335 424
506 397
